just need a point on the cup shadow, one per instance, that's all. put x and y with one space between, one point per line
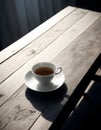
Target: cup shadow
43 101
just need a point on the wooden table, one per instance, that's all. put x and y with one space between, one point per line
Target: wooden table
70 39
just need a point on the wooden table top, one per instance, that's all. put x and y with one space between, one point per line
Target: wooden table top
70 39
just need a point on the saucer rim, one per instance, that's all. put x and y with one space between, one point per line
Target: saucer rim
50 90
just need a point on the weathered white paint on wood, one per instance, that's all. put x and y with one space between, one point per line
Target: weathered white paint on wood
80 47
48 54
39 44
28 38
76 60
18 113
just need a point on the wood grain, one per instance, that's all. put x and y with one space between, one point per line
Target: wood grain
75 60
74 45
56 47
28 38
21 115
28 107
39 44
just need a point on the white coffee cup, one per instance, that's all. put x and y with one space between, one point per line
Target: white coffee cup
44 72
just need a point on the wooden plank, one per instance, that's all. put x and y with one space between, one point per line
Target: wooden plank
26 108
73 59
39 44
28 38
21 115
8 87
99 72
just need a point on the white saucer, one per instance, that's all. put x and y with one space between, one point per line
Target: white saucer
55 83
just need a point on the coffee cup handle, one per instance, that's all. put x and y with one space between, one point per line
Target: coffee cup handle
58 71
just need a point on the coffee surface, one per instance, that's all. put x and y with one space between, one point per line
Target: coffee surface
44 71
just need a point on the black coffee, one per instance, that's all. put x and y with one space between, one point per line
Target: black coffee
44 71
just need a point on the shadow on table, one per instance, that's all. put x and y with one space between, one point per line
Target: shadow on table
94 5
48 103
88 113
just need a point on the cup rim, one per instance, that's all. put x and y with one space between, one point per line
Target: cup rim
45 66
